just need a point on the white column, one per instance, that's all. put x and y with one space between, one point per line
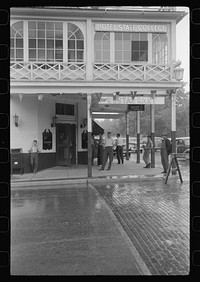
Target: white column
25 41
89 129
89 50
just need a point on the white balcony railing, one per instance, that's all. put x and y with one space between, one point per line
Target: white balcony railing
100 72
47 71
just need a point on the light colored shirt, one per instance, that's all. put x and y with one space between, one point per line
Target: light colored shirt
119 141
108 142
34 149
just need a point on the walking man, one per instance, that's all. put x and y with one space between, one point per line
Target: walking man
119 149
108 151
165 152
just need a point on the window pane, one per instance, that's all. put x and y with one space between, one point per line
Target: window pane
32 54
50 44
32 43
41 55
135 45
127 56
50 25
106 56
32 33
41 33
50 34
31 25
118 56
59 25
59 44
135 36
11 54
106 45
59 55
127 45
11 42
59 34
50 55
79 44
135 56
97 56
79 34
118 36
80 55
71 56
41 25
97 44
143 36
19 43
19 53
143 56
143 45
118 44
71 44
126 36
41 43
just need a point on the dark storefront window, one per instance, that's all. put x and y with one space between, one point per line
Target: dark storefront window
64 109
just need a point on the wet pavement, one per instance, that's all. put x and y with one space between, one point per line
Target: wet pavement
156 218
125 228
67 232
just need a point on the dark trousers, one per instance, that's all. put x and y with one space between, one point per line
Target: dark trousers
164 159
34 161
107 153
100 154
120 155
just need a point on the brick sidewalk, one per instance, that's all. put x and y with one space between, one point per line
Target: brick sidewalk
156 218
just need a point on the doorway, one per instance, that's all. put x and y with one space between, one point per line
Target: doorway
66 144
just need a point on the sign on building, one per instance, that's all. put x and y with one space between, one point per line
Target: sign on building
129 100
130 27
135 107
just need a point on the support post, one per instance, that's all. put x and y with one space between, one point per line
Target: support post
89 129
89 51
152 119
138 135
173 126
127 136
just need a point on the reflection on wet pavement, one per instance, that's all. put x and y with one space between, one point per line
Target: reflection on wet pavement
156 218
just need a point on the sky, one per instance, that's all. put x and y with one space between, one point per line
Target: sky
182 45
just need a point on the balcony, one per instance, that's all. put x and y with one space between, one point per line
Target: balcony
44 71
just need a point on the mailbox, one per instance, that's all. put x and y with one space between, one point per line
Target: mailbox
17 163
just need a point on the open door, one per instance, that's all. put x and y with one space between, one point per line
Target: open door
66 144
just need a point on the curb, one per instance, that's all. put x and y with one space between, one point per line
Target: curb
94 180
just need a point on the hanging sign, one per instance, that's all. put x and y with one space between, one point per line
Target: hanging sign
129 100
47 139
135 107
131 27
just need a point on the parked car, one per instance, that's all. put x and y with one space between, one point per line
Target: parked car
158 143
187 154
182 144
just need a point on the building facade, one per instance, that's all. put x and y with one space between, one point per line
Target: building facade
68 63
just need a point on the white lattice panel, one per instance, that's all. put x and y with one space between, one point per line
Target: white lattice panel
158 73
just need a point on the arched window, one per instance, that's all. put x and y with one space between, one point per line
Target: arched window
45 41
16 42
159 49
102 47
75 43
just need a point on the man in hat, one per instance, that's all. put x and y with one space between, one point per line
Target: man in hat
147 149
165 151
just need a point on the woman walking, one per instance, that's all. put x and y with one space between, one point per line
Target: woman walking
147 149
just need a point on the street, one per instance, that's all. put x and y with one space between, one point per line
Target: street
67 231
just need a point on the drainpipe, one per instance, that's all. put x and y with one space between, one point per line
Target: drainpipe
173 126
127 136
89 129
138 135
152 118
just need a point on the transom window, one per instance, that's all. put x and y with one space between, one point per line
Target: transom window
16 41
64 109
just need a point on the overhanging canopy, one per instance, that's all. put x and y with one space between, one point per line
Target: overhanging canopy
97 129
